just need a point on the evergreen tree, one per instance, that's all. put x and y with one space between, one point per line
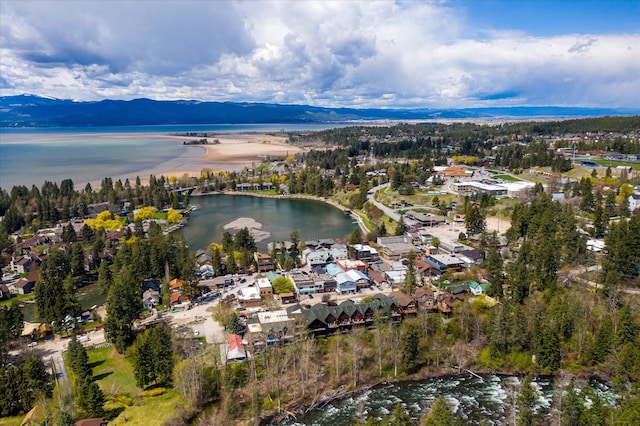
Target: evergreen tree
152 356
604 340
410 277
572 407
526 401
401 227
549 350
91 398
78 360
627 329
104 278
441 414
410 351
124 305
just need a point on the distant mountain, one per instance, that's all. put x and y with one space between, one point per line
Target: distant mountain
35 111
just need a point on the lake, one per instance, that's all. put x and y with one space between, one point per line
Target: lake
278 216
89 154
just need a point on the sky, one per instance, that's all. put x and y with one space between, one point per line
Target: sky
371 54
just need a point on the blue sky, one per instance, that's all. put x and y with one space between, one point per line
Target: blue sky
438 54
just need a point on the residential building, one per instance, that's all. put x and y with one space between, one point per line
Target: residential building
150 298
264 262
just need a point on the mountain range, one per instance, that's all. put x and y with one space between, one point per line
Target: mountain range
36 111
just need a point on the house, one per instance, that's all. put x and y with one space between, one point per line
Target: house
423 219
315 257
176 284
324 281
264 288
24 285
270 328
378 278
407 304
150 298
4 292
235 348
264 262
425 298
445 301
178 298
350 281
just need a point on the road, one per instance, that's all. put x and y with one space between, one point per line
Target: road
387 210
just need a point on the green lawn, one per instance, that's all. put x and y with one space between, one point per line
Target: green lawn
613 163
18 298
114 373
508 178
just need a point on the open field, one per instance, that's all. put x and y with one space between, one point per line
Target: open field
114 373
612 163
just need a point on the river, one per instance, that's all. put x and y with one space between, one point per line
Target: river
278 217
488 398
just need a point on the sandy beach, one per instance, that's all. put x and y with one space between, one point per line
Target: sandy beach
233 152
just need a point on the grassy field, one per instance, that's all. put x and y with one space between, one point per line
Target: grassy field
508 178
18 298
114 373
612 163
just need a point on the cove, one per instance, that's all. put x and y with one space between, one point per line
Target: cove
278 216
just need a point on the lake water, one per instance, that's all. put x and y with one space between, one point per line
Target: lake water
89 154
278 216
488 398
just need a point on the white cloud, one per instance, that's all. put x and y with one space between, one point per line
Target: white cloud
381 54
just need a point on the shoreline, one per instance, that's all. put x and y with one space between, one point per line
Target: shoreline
234 152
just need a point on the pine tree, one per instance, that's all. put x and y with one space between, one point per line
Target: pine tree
572 407
123 306
410 277
549 350
410 348
604 340
627 330
526 401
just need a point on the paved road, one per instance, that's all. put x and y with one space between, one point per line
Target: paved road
387 210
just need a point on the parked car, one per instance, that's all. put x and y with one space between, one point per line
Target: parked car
32 344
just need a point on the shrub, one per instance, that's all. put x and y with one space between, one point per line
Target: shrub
154 392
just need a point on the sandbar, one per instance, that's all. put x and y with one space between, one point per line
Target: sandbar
232 152
254 227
